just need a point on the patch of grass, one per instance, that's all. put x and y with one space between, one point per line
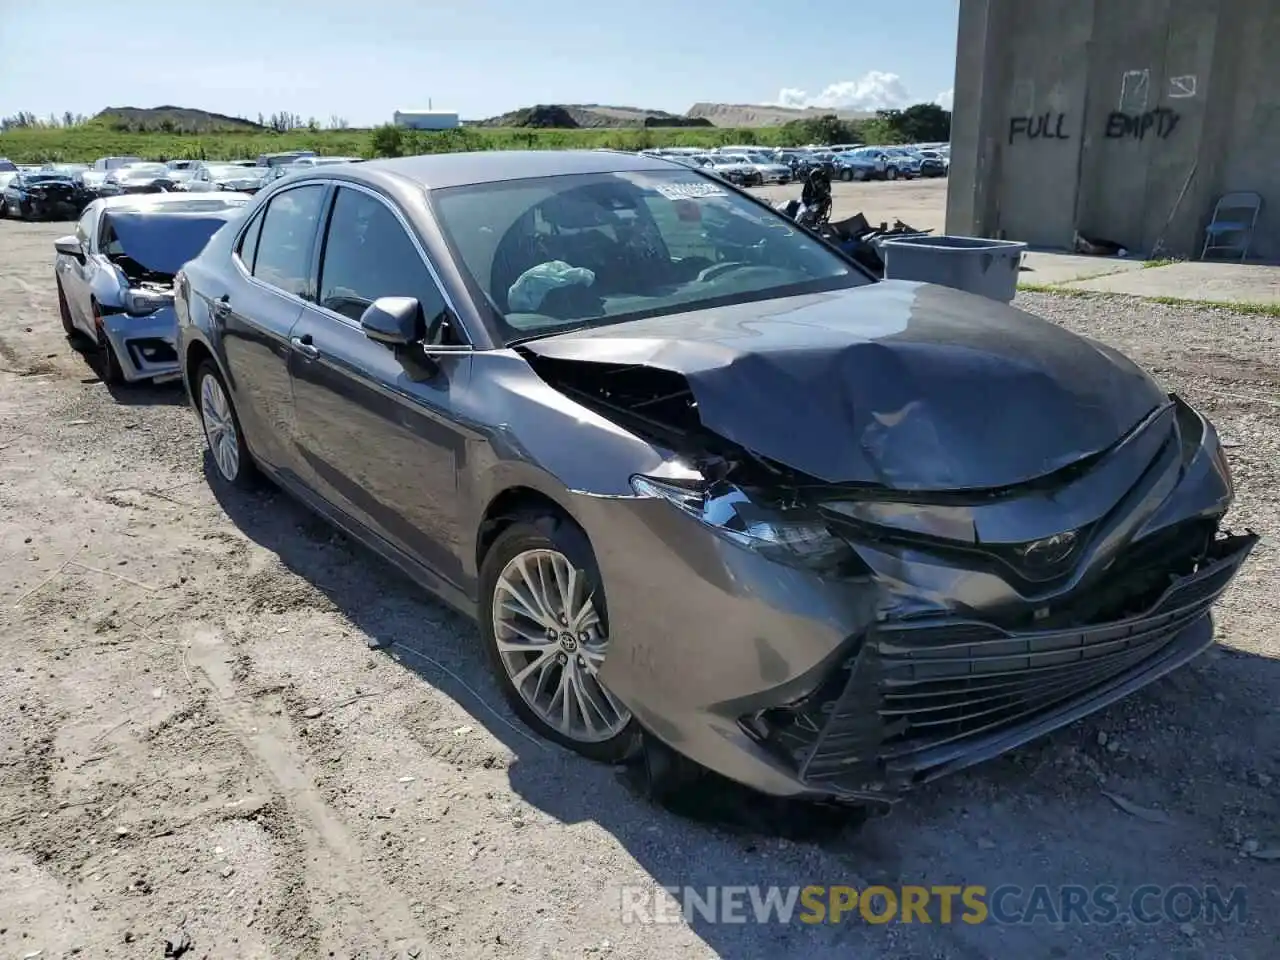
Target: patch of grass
1164 262
1261 309
1258 309
88 141
1051 288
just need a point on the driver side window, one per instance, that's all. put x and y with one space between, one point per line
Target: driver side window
367 255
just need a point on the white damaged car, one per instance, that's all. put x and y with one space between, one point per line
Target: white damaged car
115 277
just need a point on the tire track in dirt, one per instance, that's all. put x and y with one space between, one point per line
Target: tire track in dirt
368 910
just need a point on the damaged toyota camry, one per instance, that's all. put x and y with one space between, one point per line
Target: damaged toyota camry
704 483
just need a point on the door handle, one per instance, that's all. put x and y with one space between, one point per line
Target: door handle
304 346
220 307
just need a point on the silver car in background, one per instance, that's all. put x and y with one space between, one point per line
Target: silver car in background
115 277
209 176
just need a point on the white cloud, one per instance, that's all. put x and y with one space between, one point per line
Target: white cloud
877 90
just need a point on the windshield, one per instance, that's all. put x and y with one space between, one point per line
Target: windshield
143 170
156 244
229 171
551 253
45 176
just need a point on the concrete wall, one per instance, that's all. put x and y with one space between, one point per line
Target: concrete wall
1122 120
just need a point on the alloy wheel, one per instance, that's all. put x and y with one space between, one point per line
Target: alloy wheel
220 427
552 643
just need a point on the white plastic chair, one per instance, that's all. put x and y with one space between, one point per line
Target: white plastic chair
1231 227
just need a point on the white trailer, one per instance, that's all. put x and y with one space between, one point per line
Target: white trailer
427 119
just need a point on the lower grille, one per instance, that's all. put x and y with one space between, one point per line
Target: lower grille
919 695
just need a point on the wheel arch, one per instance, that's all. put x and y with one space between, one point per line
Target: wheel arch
508 506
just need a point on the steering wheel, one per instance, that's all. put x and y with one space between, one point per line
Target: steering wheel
720 269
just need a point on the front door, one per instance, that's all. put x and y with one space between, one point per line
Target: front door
75 274
376 439
256 318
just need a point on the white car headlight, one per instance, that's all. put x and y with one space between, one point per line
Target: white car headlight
141 302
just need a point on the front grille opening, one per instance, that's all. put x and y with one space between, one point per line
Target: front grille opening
152 350
927 693
789 732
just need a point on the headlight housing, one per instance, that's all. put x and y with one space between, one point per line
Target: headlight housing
141 302
793 536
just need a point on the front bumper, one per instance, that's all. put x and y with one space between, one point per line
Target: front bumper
859 687
918 700
55 207
145 346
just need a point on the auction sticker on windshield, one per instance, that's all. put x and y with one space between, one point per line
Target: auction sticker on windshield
690 191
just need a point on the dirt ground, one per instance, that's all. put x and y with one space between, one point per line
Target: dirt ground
198 744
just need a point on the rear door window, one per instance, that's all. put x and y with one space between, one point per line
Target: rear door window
284 245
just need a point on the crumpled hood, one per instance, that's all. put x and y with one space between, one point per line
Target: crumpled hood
910 386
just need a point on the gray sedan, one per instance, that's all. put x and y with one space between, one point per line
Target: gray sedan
115 277
710 491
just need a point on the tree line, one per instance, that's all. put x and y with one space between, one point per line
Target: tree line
921 123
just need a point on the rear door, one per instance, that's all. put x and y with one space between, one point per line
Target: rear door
380 445
274 257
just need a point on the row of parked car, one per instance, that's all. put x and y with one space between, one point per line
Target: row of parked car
753 166
64 190
711 491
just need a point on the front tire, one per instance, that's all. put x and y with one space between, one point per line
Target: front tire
545 628
104 361
891 173
231 458
64 314
846 175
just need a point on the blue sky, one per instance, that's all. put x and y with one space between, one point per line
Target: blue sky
362 60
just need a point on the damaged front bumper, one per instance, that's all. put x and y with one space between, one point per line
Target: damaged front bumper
916 700
860 683
146 346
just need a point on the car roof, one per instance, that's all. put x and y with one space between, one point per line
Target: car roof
439 170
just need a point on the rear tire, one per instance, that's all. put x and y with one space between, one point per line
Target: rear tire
232 461
891 173
562 630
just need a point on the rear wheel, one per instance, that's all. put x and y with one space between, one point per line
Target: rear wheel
545 627
891 173
222 432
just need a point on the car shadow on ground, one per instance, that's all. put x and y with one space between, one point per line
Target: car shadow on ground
1037 816
148 394
144 393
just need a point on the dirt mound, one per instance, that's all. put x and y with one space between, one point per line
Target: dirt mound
177 119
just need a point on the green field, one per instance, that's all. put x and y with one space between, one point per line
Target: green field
87 142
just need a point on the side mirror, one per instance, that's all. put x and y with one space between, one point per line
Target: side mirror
394 321
70 246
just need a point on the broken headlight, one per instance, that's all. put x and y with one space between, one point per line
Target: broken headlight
791 536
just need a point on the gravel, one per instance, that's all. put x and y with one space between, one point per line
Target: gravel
200 745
